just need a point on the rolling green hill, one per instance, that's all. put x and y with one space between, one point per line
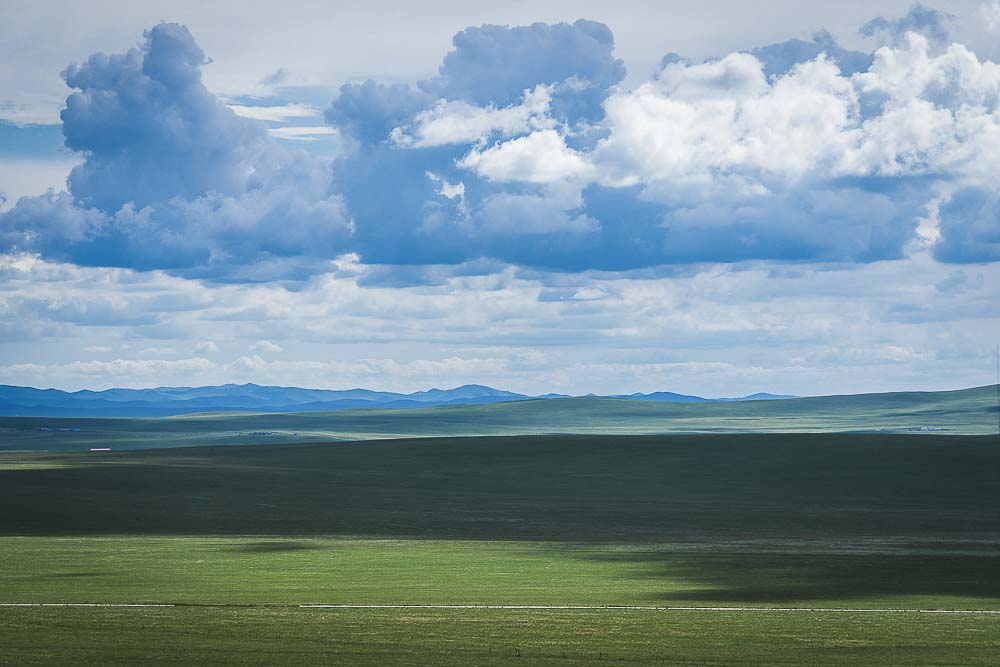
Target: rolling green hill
968 411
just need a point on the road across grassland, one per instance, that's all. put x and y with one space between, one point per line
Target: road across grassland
471 607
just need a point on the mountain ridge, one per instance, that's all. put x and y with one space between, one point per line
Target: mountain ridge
944 413
171 401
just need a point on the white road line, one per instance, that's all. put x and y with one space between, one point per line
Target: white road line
517 607
835 610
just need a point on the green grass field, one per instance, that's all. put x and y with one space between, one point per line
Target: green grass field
967 412
270 571
240 536
489 637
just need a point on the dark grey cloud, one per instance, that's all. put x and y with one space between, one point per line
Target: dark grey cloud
781 57
276 78
494 64
367 112
172 178
933 24
970 227
150 129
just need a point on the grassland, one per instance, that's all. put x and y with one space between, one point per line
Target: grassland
429 637
818 521
968 412
268 571
569 488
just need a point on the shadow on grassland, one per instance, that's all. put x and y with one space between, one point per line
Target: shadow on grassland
756 578
574 490
585 489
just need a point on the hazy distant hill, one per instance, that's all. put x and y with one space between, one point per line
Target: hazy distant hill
969 411
170 401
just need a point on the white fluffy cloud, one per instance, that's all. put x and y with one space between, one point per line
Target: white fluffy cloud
540 157
723 123
776 162
698 124
265 346
459 122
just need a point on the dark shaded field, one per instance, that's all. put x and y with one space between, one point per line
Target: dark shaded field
568 488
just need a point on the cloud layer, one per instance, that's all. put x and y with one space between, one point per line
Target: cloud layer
525 149
914 324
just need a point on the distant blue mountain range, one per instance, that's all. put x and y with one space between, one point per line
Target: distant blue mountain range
168 401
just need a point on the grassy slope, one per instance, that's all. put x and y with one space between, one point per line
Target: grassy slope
793 520
970 411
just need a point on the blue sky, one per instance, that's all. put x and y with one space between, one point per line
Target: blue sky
541 196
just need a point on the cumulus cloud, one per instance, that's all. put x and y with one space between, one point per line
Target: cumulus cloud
777 165
150 129
970 227
696 122
547 215
367 112
781 57
458 122
525 150
495 65
171 177
540 157
265 346
933 24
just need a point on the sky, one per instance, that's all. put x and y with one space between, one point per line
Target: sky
699 197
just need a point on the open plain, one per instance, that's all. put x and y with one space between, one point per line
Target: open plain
573 549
